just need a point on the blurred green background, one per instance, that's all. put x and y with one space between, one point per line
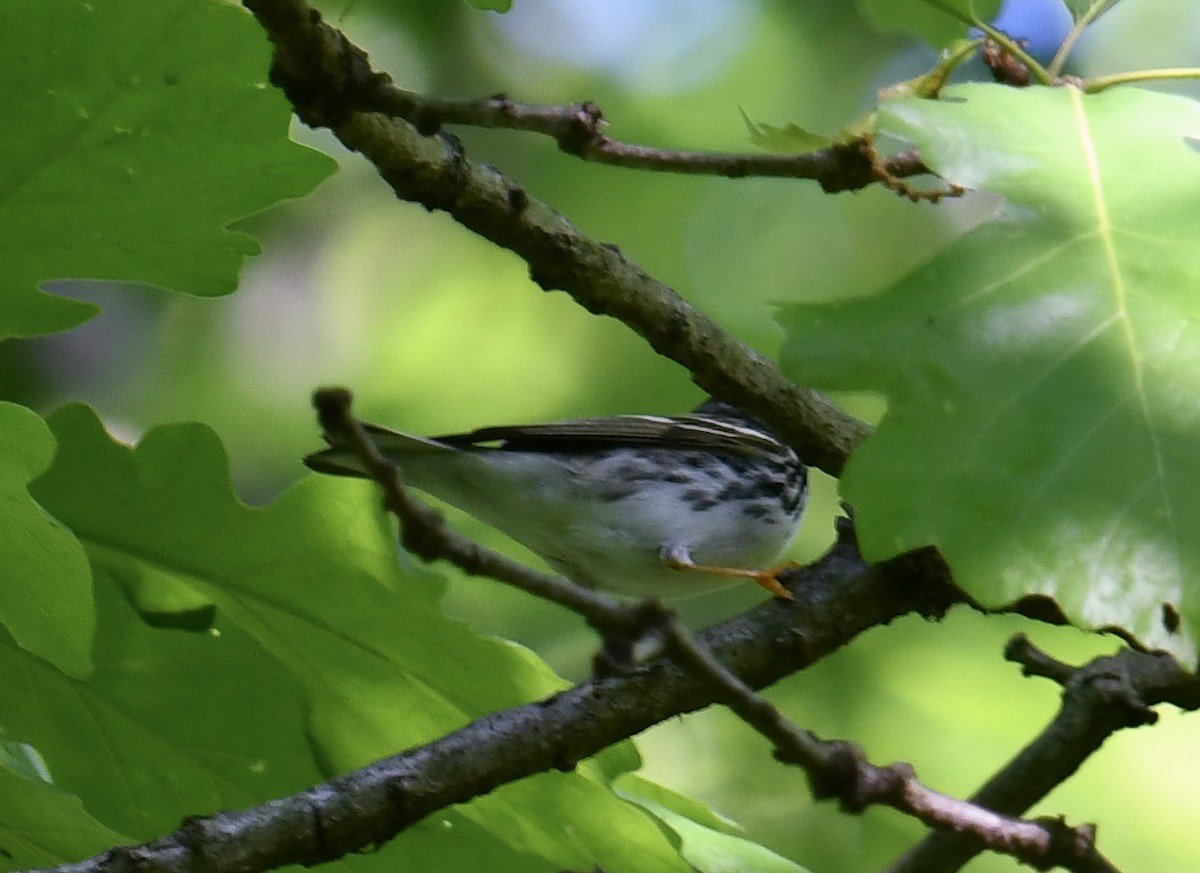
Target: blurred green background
436 330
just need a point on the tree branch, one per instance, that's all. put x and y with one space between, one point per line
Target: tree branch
327 78
840 769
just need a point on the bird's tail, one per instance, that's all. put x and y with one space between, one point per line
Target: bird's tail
340 460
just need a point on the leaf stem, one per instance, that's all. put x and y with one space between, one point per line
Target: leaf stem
1084 21
951 58
1100 83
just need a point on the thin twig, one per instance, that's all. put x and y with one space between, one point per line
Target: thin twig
1055 67
1099 699
1035 662
1147 678
578 129
840 769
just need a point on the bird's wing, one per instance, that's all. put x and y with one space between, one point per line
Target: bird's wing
650 431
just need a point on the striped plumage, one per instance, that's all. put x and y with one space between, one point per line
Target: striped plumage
616 503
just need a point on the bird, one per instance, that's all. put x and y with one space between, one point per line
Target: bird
638 505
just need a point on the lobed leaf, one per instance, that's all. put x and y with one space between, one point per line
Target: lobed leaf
170 722
328 652
1043 373
43 826
135 132
46 595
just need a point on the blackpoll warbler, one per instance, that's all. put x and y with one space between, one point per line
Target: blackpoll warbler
650 505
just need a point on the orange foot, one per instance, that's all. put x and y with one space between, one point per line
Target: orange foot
768 579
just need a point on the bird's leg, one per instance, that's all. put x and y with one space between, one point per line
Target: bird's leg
677 558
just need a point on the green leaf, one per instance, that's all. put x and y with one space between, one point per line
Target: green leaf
933 22
1090 9
492 5
41 826
24 760
135 132
46 595
169 724
707 842
792 139
648 794
1043 373
316 583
